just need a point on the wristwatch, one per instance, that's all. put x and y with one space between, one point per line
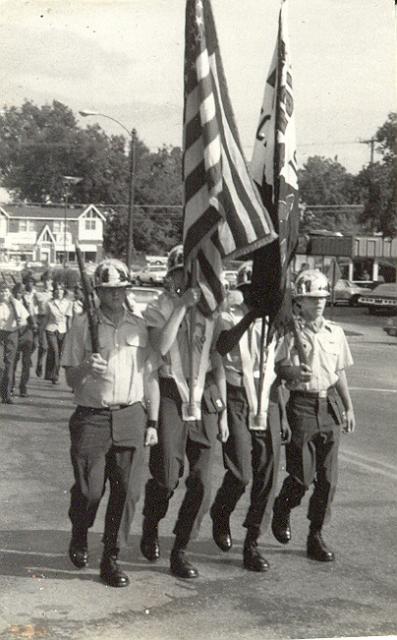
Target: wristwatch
153 424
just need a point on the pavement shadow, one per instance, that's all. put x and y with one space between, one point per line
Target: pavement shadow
42 555
30 419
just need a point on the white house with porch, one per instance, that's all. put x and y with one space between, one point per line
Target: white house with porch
47 234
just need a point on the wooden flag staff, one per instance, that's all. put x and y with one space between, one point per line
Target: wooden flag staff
193 315
260 418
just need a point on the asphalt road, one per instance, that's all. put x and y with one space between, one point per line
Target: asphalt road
43 596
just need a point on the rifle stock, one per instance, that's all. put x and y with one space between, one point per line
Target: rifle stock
298 340
89 302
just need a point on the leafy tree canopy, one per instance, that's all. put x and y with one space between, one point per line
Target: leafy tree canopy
40 145
377 183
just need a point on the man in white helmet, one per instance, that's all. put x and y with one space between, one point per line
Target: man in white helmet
319 405
116 392
182 432
251 452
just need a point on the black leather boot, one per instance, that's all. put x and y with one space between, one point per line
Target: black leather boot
316 547
281 521
78 549
252 558
150 546
221 529
110 571
180 565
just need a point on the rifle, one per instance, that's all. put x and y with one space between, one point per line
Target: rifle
89 301
298 340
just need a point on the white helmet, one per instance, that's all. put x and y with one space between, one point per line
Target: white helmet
175 258
111 273
311 283
244 274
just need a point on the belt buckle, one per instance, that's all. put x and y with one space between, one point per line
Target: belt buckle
322 394
114 407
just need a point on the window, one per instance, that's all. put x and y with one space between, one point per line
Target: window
59 226
90 221
25 225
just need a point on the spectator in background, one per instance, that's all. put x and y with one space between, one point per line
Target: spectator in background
78 301
364 276
26 338
42 297
12 315
58 317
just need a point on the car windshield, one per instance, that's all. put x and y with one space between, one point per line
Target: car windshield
144 295
385 289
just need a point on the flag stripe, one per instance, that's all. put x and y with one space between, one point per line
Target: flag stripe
223 213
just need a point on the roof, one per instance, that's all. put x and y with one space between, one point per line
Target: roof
46 212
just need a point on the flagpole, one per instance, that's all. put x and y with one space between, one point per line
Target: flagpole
261 370
193 314
276 169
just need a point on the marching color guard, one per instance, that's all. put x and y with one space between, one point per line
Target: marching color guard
251 451
319 405
185 429
109 427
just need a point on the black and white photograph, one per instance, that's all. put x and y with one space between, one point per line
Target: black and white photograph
198 319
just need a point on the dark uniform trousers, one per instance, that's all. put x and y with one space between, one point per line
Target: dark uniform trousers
53 361
312 454
8 350
249 455
95 459
26 347
178 438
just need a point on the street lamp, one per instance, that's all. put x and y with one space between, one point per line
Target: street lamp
131 180
67 182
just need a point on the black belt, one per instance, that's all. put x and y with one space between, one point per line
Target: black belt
112 407
312 394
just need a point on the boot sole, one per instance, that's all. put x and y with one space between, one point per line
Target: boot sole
312 557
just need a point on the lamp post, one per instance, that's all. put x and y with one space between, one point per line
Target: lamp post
67 182
131 179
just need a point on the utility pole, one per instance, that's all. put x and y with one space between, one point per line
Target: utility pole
371 143
131 180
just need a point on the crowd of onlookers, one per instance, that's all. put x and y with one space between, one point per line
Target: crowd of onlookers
34 317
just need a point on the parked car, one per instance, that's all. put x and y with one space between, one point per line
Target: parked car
230 275
384 296
151 275
348 292
391 327
139 298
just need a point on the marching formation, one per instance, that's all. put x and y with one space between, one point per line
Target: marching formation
178 381
199 367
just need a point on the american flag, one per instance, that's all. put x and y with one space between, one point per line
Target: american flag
223 212
274 169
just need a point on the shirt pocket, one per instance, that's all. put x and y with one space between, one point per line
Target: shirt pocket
137 340
329 352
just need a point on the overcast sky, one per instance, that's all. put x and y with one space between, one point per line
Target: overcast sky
125 58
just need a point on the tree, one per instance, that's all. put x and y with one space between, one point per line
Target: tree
158 219
39 145
323 181
377 183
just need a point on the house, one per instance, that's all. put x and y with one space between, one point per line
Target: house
47 234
